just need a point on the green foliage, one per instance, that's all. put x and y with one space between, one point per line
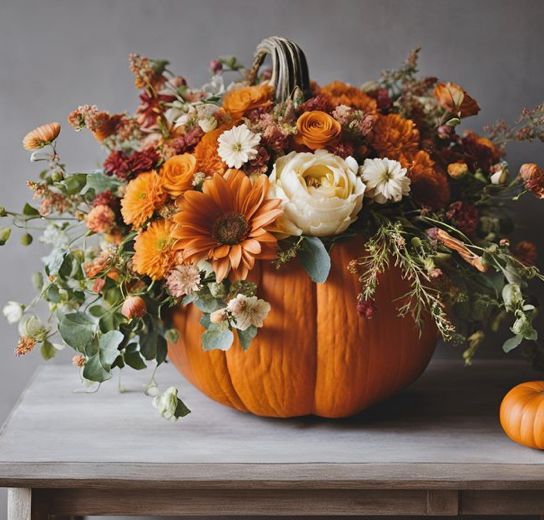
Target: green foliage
217 337
315 259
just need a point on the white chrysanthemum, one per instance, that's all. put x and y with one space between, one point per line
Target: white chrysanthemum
238 146
385 180
248 311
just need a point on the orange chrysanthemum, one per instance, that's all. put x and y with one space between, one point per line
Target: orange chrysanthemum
41 136
394 136
429 186
155 253
207 158
143 197
227 223
339 93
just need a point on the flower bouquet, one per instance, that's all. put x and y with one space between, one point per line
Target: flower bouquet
292 248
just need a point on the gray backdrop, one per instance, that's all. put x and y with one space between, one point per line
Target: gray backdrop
56 54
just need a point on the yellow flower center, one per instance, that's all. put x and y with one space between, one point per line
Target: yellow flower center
230 229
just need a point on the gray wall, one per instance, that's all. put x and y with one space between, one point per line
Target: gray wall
56 54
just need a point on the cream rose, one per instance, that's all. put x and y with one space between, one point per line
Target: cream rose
321 192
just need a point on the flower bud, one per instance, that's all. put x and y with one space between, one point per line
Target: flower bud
3 211
218 316
5 233
172 335
57 176
216 66
31 326
26 239
78 360
133 307
444 132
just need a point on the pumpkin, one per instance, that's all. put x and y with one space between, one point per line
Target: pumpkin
315 354
522 414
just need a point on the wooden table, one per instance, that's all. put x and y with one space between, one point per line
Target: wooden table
436 449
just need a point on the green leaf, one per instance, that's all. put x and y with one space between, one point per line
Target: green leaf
30 211
94 370
181 409
511 343
54 260
47 350
315 259
207 303
162 350
100 182
77 330
133 358
246 336
217 337
74 183
108 347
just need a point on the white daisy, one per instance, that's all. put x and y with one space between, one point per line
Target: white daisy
238 146
385 180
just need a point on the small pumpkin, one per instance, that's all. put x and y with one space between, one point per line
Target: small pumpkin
315 353
522 414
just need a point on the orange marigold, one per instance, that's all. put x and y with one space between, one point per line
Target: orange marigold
228 223
154 253
339 93
207 158
144 195
429 186
394 136
41 136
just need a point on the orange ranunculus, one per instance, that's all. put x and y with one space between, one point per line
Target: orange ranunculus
317 129
207 158
394 136
429 186
177 174
339 93
240 100
454 99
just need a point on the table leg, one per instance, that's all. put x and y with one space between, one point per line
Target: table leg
21 507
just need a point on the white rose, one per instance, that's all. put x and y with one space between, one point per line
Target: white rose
322 193
167 403
13 312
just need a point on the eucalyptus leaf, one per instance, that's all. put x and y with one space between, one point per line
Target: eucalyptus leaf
108 346
315 259
74 183
47 350
511 343
30 211
100 182
54 260
181 409
217 337
246 336
207 303
77 330
133 358
94 370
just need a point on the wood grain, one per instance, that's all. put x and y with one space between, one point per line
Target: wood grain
19 504
436 449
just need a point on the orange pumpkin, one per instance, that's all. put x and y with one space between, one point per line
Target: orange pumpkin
522 414
315 354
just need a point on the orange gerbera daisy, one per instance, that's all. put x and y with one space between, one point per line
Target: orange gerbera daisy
394 136
207 158
429 186
155 253
340 93
41 136
144 195
228 223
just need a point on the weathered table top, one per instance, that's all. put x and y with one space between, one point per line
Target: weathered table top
442 433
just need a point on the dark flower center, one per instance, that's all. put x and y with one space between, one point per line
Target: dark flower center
230 229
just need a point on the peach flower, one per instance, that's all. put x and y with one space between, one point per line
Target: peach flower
240 100
317 129
177 174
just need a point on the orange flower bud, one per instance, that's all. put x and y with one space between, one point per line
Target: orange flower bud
133 307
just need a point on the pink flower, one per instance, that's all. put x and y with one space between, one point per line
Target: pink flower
100 219
366 309
182 280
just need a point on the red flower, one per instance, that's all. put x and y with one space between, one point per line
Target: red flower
366 309
106 198
123 166
464 216
319 102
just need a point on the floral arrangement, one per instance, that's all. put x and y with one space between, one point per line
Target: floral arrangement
201 184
